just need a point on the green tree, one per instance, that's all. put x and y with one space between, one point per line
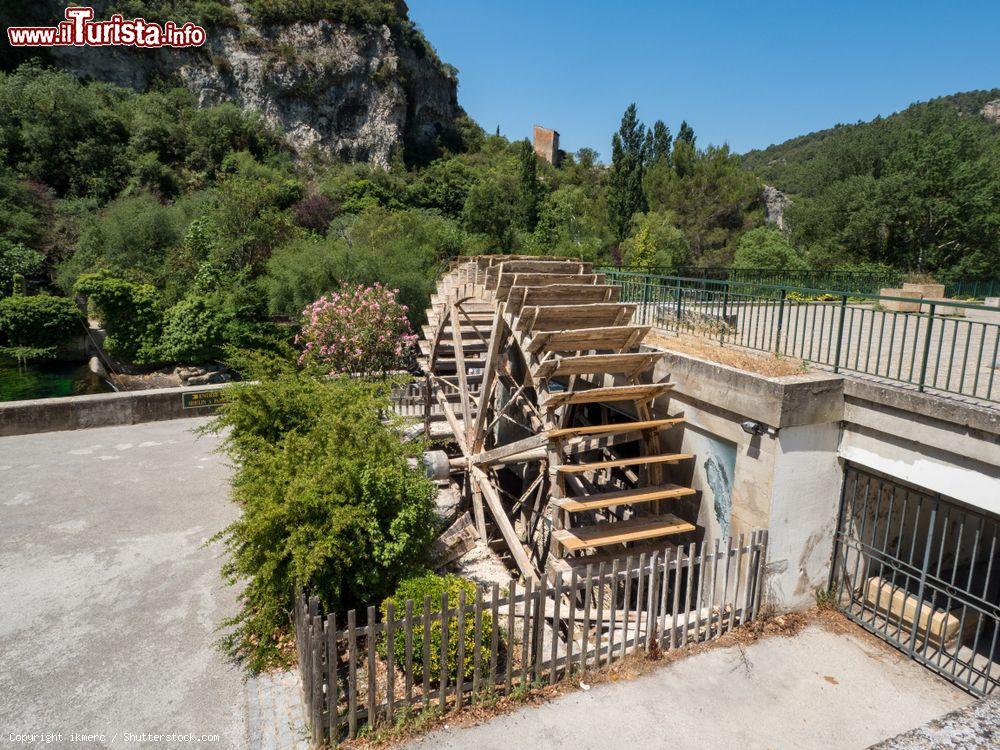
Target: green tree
766 247
628 158
655 242
661 143
528 187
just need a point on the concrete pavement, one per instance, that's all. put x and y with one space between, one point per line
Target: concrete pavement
110 601
818 690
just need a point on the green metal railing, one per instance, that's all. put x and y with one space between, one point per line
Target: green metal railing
864 282
928 344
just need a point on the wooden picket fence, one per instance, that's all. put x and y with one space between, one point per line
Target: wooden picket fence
544 631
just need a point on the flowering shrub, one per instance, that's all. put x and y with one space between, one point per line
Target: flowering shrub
357 329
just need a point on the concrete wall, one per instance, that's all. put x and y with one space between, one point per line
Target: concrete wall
789 480
100 410
942 445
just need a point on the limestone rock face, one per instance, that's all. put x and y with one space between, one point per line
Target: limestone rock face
775 203
357 93
991 111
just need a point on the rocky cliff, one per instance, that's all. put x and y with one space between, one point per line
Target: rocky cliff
359 93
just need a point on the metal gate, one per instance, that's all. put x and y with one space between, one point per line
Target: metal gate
920 571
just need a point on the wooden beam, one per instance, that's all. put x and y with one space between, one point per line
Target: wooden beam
489 377
600 429
463 384
503 523
511 449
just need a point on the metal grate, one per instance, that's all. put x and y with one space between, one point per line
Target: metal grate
920 571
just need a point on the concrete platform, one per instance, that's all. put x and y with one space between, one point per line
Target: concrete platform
819 689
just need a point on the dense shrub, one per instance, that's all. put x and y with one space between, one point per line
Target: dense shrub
766 247
194 330
328 499
17 261
356 329
435 586
38 322
130 312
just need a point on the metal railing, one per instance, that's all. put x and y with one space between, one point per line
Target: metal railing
919 571
929 344
866 282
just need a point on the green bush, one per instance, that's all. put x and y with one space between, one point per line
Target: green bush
17 261
38 322
130 313
194 330
435 586
329 501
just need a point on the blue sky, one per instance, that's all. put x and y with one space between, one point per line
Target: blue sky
746 74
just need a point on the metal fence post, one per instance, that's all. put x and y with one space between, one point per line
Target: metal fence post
840 331
927 349
678 293
725 305
781 318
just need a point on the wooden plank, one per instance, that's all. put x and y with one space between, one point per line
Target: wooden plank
604 429
333 695
610 394
613 614
526 631
621 532
539 635
494 633
618 338
408 651
443 663
372 683
477 655
588 592
537 318
665 458
509 280
352 675
425 620
390 655
621 497
316 641
560 294
571 630
630 364
698 599
460 656
509 666
554 657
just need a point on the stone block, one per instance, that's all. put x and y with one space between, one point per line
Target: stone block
897 305
926 290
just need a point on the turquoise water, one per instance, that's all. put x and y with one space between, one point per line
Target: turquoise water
48 380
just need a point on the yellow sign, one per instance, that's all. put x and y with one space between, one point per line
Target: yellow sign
200 399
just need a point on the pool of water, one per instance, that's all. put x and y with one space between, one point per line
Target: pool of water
48 380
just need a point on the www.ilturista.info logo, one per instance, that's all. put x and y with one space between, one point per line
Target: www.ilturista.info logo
81 30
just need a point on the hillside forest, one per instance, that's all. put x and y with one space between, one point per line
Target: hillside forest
192 229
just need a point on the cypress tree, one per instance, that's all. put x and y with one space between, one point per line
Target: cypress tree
629 147
529 189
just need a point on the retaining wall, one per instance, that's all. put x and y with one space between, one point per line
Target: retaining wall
107 409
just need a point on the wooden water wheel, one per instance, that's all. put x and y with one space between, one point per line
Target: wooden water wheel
536 368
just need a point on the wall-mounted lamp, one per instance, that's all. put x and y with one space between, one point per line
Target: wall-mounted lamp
750 427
